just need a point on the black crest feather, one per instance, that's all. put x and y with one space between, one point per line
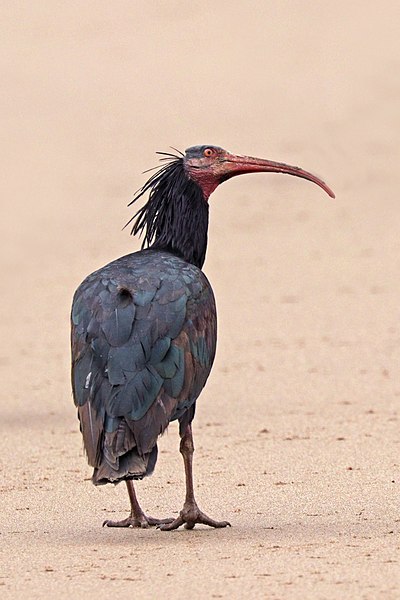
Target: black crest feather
175 216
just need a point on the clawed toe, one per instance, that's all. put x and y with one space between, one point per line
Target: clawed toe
174 524
142 522
189 517
129 522
158 522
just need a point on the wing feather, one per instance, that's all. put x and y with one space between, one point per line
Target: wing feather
143 343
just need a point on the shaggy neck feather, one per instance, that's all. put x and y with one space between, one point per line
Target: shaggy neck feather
175 217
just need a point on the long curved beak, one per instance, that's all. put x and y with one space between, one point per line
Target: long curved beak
233 165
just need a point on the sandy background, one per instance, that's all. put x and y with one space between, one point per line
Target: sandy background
297 431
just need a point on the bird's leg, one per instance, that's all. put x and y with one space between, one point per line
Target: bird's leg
190 513
137 518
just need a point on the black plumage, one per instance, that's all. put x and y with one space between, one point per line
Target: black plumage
175 217
143 335
144 329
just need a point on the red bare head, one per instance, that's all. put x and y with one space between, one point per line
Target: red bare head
209 166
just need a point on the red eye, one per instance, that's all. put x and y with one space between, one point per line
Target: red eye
208 152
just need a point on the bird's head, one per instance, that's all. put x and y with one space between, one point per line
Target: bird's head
175 217
209 166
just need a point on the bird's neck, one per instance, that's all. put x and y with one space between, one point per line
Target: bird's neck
184 229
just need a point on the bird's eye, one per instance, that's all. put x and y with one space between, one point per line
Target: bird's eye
208 152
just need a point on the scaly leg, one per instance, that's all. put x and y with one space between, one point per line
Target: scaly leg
190 514
137 518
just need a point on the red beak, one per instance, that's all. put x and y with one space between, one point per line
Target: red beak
233 165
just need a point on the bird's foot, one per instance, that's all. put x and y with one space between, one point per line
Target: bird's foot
142 521
189 516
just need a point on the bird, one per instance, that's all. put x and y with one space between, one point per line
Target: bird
144 329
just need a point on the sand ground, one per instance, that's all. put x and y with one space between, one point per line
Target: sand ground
297 431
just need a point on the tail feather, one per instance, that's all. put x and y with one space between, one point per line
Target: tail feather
119 448
128 466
